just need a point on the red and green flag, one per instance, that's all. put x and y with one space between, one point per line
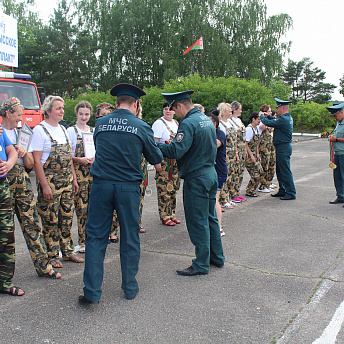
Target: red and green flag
198 45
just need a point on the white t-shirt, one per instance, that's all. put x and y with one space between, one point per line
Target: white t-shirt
223 125
237 122
249 133
160 130
41 141
12 135
73 137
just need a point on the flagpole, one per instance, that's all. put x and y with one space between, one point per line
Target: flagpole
202 62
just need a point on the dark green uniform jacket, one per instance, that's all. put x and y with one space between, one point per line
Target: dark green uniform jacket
120 138
283 125
194 146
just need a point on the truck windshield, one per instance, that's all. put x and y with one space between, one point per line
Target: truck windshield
26 93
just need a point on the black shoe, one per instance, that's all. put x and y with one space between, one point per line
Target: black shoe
131 297
113 241
278 195
287 198
336 201
82 299
190 271
217 265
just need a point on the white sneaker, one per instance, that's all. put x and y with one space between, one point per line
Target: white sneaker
228 205
264 190
222 232
272 186
233 204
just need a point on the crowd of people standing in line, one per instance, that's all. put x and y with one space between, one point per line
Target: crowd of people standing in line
64 177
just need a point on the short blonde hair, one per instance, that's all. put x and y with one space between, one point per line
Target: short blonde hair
48 104
224 107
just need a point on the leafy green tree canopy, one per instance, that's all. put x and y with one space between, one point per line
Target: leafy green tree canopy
307 82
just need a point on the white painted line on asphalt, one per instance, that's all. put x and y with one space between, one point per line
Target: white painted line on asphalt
311 176
296 327
331 331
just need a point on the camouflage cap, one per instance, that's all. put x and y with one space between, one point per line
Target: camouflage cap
106 106
9 104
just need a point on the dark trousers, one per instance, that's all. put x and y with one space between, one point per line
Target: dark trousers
338 176
199 196
104 198
283 171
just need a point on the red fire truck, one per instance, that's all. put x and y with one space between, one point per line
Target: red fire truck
18 85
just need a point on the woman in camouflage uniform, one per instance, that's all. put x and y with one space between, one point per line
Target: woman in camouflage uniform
23 199
227 192
57 181
266 149
272 163
241 151
82 166
8 158
167 181
252 162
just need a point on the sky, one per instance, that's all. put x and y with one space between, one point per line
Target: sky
317 33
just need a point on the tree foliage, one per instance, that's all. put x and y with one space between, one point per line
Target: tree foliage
311 116
210 92
341 85
93 44
307 82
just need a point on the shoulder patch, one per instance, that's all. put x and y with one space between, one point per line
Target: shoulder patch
179 137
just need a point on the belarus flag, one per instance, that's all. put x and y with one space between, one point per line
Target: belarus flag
198 45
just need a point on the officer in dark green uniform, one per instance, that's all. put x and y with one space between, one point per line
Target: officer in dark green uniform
337 140
194 147
120 139
282 141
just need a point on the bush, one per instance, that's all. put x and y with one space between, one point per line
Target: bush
311 117
209 92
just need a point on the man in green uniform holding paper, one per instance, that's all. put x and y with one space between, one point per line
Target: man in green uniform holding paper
120 139
337 112
194 147
283 135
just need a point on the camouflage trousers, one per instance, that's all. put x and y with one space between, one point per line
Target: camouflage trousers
115 223
167 190
228 191
81 207
239 170
272 166
7 246
57 216
24 205
267 157
255 170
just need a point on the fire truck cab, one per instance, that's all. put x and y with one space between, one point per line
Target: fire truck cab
19 86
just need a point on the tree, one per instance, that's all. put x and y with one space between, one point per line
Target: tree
306 81
142 42
341 85
254 40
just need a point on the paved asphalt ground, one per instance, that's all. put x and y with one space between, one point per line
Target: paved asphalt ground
282 281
